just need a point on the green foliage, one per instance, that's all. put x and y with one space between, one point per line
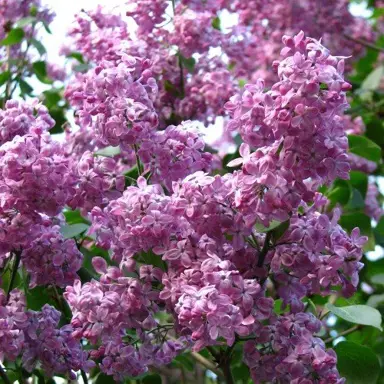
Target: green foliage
359 364
40 70
74 230
358 314
364 147
216 23
15 36
187 62
108 151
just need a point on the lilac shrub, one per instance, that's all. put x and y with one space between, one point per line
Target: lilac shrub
148 244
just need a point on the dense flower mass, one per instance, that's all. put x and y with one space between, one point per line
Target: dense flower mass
35 176
300 357
147 243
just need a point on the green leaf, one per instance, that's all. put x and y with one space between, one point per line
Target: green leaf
242 83
359 180
131 176
46 27
372 82
52 97
185 361
76 55
57 113
358 219
82 67
151 379
365 65
4 77
378 279
358 314
14 36
377 12
216 23
6 278
272 225
357 363
379 232
277 307
279 231
37 297
25 88
362 146
375 130
40 70
74 217
39 46
109 151
85 275
242 375
151 259
104 379
356 201
340 193
375 300
188 63
25 21
70 231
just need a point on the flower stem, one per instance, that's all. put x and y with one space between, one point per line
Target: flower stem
344 333
84 376
364 43
15 267
138 163
223 360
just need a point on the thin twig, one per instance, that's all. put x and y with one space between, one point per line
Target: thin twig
364 43
4 376
265 250
206 363
344 333
181 68
62 305
223 360
84 376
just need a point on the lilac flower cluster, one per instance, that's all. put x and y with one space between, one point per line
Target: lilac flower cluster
98 182
203 228
116 101
18 119
51 259
291 352
34 174
174 153
303 264
190 246
296 129
38 339
104 310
